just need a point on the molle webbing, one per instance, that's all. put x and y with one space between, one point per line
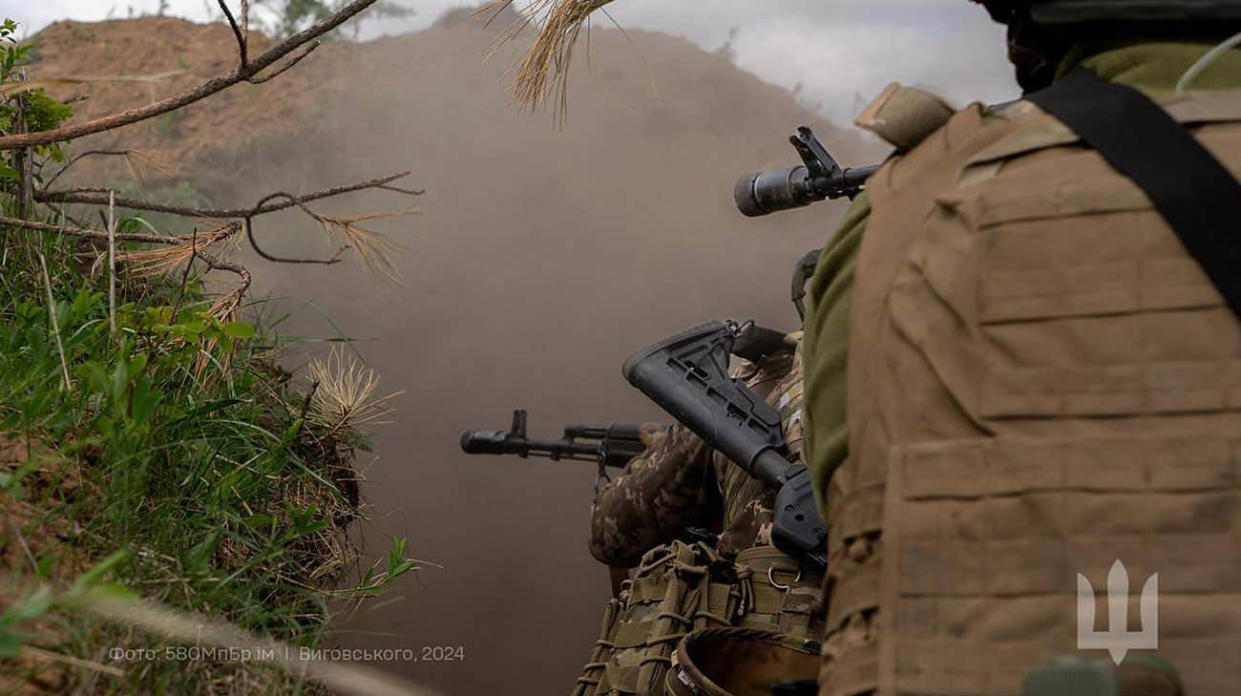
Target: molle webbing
1197 196
671 593
780 595
680 588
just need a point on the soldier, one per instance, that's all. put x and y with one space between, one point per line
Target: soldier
728 574
1023 372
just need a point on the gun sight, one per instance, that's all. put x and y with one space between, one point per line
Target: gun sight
818 178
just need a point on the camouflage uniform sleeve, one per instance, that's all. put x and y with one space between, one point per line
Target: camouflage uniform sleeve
665 490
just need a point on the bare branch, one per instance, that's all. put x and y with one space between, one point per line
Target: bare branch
397 189
241 39
258 80
73 160
226 307
95 197
206 89
87 232
280 259
245 20
214 263
185 277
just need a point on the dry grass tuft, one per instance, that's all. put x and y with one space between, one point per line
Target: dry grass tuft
546 67
346 394
377 253
228 307
140 160
152 262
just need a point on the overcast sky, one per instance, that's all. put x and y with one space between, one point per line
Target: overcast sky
842 52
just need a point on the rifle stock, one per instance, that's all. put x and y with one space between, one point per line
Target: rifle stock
687 376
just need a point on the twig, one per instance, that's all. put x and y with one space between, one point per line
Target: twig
227 304
92 197
34 565
280 259
273 202
73 160
243 60
301 418
245 20
185 276
214 263
87 232
112 262
51 312
243 73
21 161
280 70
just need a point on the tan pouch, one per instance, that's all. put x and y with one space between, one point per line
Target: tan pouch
677 588
740 662
778 593
904 116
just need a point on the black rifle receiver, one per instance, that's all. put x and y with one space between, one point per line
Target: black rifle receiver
687 376
819 178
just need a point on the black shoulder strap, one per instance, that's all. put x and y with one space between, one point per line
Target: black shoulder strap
1197 196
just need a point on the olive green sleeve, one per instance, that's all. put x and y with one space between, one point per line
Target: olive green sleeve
827 351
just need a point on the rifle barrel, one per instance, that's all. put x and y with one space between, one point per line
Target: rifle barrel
612 450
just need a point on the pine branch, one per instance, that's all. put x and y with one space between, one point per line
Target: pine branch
246 71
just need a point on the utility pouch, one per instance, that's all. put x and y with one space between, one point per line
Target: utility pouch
780 594
680 588
742 662
677 588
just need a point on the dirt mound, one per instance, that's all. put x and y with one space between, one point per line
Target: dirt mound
672 85
541 260
175 55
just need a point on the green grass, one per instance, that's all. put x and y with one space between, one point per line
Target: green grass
157 443
184 445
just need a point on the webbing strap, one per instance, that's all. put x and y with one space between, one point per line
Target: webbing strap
1197 196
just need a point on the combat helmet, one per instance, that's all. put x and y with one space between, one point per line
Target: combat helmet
1076 12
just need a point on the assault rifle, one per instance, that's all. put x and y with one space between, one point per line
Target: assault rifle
606 445
687 376
818 178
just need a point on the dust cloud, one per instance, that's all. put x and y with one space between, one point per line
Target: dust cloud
540 260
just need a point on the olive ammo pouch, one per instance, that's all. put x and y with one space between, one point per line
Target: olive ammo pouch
679 588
